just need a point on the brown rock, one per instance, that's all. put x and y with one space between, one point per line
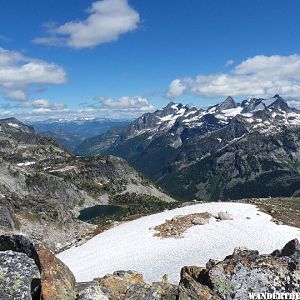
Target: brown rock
58 282
117 284
192 285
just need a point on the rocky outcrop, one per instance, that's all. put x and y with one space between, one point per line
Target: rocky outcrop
126 285
28 273
57 282
243 272
19 276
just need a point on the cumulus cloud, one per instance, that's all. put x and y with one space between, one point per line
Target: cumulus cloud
122 108
136 103
106 21
176 88
258 76
19 73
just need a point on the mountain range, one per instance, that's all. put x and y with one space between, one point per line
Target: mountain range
228 151
45 187
71 132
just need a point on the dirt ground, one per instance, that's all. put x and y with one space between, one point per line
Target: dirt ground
178 225
283 210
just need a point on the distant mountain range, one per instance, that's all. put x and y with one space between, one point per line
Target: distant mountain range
228 151
72 132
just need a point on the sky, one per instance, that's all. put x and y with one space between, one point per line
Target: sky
119 58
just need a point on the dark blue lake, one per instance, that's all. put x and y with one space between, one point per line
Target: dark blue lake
98 211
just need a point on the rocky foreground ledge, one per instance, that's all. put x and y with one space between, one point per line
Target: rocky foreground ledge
30 273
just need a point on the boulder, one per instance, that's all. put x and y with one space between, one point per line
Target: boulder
290 248
19 243
243 272
58 282
192 285
90 291
224 216
19 276
200 221
116 285
156 291
32 273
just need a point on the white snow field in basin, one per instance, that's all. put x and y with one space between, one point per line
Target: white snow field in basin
132 246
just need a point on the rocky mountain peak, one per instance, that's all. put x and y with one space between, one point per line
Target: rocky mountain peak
228 103
279 103
11 125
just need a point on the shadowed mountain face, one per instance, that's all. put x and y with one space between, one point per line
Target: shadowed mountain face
228 151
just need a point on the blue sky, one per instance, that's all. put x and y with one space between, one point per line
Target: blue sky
118 58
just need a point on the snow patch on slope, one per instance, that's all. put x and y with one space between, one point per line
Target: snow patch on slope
132 246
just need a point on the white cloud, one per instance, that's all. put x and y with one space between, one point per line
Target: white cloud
137 102
259 76
18 73
107 20
124 107
229 62
176 88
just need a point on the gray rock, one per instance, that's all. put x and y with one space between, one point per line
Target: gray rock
154 291
6 219
90 291
200 221
19 276
242 272
19 243
224 216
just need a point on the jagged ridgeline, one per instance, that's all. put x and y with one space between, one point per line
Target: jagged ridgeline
44 187
229 151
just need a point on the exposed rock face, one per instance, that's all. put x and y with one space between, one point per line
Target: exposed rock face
116 285
6 219
19 276
26 273
19 243
58 282
154 291
126 285
244 272
192 285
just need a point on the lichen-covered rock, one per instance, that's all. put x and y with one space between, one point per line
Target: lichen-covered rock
248 271
156 291
243 272
90 291
192 285
19 277
58 282
19 243
117 284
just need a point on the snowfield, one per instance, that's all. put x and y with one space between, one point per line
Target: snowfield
132 246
